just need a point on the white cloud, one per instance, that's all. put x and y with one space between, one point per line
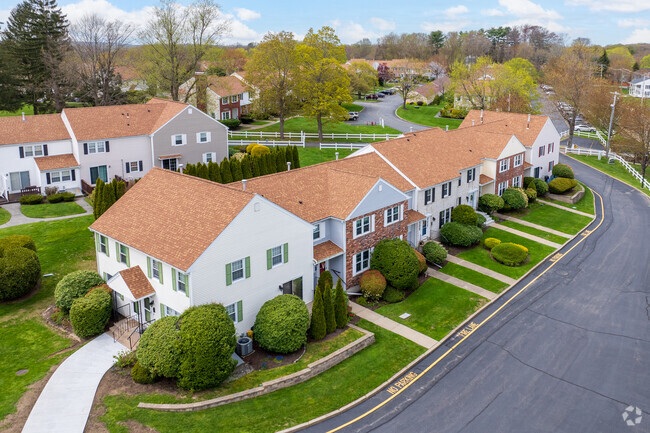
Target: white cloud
638 35
633 22
452 12
137 18
492 13
446 26
350 32
526 9
614 6
240 32
382 25
246 14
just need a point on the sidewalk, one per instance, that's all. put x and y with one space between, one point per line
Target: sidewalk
481 269
67 398
528 236
535 226
17 217
462 284
391 325
579 212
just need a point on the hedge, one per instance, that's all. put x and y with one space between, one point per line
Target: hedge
462 235
159 349
490 243
55 198
434 252
282 323
140 374
514 198
397 262
509 254
31 199
422 261
540 186
17 241
20 270
260 150
75 285
464 214
560 185
481 220
230 123
392 295
531 193
563 170
89 314
372 284
490 203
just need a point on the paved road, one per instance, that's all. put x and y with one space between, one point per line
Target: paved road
385 109
568 354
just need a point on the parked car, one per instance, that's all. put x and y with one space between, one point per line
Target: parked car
372 96
353 115
381 95
584 128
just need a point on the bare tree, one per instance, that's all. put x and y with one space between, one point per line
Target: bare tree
405 87
634 135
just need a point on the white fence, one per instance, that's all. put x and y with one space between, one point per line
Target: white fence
350 146
302 136
266 142
593 135
601 153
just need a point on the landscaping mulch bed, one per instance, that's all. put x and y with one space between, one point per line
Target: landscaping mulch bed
378 304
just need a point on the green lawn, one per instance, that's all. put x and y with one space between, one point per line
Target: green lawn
481 256
28 109
49 210
308 125
473 277
552 217
535 232
353 107
260 122
424 115
314 155
324 393
616 170
436 308
5 216
586 203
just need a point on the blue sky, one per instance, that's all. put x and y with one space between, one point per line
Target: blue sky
603 21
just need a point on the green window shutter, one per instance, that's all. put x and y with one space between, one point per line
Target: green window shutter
187 286
162 310
108 250
117 251
174 279
160 272
149 267
136 307
104 276
269 260
97 241
248 266
240 311
128 261
286 253
228 274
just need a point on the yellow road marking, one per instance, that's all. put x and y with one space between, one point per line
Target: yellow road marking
556 257
444 355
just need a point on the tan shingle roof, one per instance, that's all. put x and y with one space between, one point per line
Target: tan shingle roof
137 282
326 250
510 123
226 86
411 216
171 216
484 179
34 129
53 162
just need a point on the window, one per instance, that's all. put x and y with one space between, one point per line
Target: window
502 187
96 146
60 176
424 227
471 175
103 244
550 148
362 226
446 190
460 181
444 217
123 254
550 165
203 137
179 139
209 157
392 215
504 165
133 166
171 312
234 98
237 270
232 311
155 269
225 100
519 159
181 282
429 196
225 115
516 182
316 231
35 150
361 261
98 172
276 256
541 150
170 164
19 180
459 202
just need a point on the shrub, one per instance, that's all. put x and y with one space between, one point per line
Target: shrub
560 185
159 349
362 301
522 247
89 314
55 198
340 305
140 374
563 170
68 196
509 254
31 199
397 262
17 241
422 261
490 203
51 190
480 221
20 270
514 198
420 103
540 186
463 235
75 285
372 284
490 243
527 181
434 252
231 123
245 118
281 324
249 148
260 150
125 359
328 307
325 279
207 344
317 326
464 214
392 295
531 193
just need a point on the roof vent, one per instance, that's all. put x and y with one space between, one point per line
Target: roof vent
243 184
127 116
481 115
336 154
288 165
300 201
473 122
23 116
528 124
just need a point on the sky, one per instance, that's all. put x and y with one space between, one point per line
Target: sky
603 21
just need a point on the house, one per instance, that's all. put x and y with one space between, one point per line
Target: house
131 79
209 243
427 92
536 133
640 87
248 96
221 97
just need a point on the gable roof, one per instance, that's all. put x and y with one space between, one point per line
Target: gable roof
137 282
226 86
172 216
34 129
53 162
112 121
511 123
433 88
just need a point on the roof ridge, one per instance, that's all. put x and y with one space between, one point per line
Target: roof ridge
200 179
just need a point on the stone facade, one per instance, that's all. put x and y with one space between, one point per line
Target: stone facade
509 174
369 240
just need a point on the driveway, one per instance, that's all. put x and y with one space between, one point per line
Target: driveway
385 108
569 353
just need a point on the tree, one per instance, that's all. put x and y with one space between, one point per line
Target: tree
384 73
235 169
634 134
597 108
11 97
257 166
474 81
108 197
645 62
603 63
280 159
363 78
318 327
202 171
226 174
340 306
97 198
330 317
272 69
214 172
323 84
498 37
405 87
296 158
437 40
246 171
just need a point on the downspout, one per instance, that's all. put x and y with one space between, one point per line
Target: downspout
153 161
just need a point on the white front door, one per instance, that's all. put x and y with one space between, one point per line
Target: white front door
471 199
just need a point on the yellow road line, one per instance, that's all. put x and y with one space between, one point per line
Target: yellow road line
434 363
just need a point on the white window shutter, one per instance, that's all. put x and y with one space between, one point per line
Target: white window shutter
372 223
198 138
214 156
208 136
385 218
173 140
184 138
205 157
401 212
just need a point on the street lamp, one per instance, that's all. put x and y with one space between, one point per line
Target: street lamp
611 121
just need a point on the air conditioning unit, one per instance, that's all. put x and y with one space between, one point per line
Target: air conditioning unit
244 346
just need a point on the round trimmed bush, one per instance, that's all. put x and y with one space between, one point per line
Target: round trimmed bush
207 344
249 148
55 198
20 270
561 185
461 235
422 261
481 220
89 314
392 295
490 203
397 262
17 241
509 254
490 243
527 181
75 285
281 324
563 170
464 214
515 198
531 193
140 374
67 196
159 349
434 252
372 284
540 186
260 150
31 199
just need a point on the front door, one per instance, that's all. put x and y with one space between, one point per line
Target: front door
471 199
537 172
147 309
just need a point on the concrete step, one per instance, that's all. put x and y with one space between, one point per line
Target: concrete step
488 218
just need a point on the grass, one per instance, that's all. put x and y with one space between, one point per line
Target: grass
324 393
535 232
473 277
28 109
314 155
554 218
260 122
481 256
5 216
49 210
585 204
436 308
309 125
424 115
615 170
352 107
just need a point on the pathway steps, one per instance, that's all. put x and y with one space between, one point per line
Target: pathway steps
461 283
482 270
528 236
535 226
566 208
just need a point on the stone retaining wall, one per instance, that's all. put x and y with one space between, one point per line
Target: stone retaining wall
566 198
313 369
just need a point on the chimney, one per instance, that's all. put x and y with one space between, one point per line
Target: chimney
528 124
481 115
473 122
23 116
201 83
288 165
243 184
337 155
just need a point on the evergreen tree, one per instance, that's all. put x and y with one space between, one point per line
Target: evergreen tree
330 318
280 160
635 66
108 197
246 169
11 98
318 327
98 199
296 158
214 172
269 163
120 189
202 171
325 279
226 174
257 166
235 169
340 306
187 169
603 62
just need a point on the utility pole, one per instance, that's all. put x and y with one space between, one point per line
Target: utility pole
611 121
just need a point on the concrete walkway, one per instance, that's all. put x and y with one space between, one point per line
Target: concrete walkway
67 398
535 226
527 236
460 283
391 325
482 270
579 212
17 217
